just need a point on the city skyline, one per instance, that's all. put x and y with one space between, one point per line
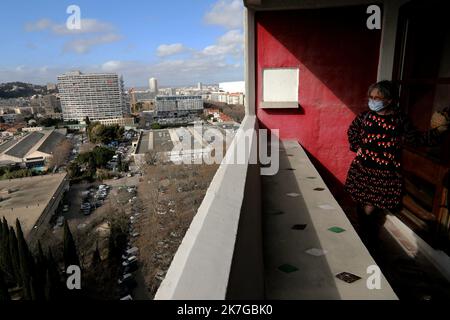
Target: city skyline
190 43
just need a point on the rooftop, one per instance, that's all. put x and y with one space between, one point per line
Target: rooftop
25 145
27 198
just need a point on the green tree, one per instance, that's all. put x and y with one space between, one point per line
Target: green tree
5 258
73 169
155 126
15 255
41 270
54 289
70 250
26 262
4 294
33 290
96 258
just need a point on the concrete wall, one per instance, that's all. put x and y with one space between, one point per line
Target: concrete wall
50 209
221 254
247 269
338 59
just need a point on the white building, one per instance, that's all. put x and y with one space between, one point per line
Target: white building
153 85
97 96
232 87
33 149
178 106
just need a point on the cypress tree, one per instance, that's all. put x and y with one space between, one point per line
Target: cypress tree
40 275
33 290
54 286
70 250
4 294
5 261
25 261
50 294
13 246
96 258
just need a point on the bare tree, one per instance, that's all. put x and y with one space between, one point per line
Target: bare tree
61 153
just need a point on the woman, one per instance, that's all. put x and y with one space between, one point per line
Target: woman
374 180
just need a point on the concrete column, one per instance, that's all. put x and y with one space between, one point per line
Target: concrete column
388 38
250 84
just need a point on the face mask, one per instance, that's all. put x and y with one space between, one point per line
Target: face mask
376 105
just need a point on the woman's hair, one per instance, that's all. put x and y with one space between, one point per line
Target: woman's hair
387 88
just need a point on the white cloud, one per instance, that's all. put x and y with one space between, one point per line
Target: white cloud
87 26
39 25
112 65
92 33
231 43
85 45
166 50
226 13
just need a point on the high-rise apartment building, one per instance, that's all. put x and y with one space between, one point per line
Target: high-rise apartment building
97 96
153 85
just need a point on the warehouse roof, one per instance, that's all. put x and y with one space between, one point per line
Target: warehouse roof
51 142
25 145
8 144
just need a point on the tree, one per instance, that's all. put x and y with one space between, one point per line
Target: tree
33 290
53 286
61 153
15 256
73 169
5 258
70 250
26 261
41 270
155 126
96 258
4 294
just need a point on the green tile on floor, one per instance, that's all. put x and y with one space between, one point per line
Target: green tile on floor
287 268
336 230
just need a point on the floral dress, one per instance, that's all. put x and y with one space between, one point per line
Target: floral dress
375 175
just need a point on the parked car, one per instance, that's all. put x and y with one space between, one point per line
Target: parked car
128 297
132 251
130 268
60 221
125 278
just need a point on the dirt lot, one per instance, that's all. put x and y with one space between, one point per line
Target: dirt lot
170 196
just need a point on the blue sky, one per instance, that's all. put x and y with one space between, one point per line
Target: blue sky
180 42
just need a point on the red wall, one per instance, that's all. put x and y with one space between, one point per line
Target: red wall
338 59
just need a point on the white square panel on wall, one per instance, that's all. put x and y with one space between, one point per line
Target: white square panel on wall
280 88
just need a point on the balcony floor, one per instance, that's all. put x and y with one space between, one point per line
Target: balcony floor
289 203
295 197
